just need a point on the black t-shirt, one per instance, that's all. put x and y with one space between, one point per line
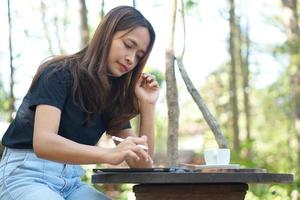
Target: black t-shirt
55 89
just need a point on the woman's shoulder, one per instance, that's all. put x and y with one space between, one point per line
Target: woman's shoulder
55 71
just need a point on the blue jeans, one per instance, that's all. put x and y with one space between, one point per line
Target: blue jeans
23 176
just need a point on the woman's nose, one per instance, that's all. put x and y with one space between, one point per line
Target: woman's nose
130 58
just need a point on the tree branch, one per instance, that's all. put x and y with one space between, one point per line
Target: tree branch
209 118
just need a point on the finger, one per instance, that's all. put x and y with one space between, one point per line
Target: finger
151 78
148 76
150 161
129 154
144 137
138 143
139 150
140 80
151 81
143 80
145 75
154 84
144 143
137 140
142 154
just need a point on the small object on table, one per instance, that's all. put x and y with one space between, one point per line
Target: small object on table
118 139
221 168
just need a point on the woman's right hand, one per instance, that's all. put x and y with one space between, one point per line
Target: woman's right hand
129 150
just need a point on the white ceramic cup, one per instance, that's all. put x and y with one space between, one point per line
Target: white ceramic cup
217 156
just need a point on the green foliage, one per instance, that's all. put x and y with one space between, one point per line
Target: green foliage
189 4
267 192
273 140
126 190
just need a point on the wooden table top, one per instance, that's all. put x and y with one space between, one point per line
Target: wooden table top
190 177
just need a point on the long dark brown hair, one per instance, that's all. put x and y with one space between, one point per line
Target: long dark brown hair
92 89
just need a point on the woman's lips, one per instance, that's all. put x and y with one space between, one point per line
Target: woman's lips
123 68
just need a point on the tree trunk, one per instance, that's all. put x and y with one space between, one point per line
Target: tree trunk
293 33
57 34
11 106
45 26
57 28
65 19
209 118
172 96
84 28
244 64
102 9
232 79
134 3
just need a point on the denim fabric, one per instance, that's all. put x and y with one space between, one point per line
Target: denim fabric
23 176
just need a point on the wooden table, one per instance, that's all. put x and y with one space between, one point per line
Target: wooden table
190 185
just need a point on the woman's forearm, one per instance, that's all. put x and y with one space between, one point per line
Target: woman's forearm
147 125
54 147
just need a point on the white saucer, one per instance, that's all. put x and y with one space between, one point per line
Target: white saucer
229 166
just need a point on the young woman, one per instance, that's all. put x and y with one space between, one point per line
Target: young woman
71 102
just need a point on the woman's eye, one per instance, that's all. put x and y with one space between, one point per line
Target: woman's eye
127 45
139 57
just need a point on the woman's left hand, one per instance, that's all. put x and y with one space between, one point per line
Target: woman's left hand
147 89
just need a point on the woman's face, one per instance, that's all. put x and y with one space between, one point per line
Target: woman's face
127 48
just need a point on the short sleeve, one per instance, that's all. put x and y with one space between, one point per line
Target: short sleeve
127 125
52 88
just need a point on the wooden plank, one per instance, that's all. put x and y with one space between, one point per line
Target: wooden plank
190 191
194 177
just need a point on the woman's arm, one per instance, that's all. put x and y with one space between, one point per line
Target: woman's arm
147 92
147 125
49 145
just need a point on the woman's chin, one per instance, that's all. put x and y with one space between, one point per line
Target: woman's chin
114 75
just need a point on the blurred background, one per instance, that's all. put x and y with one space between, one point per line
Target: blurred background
242 57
